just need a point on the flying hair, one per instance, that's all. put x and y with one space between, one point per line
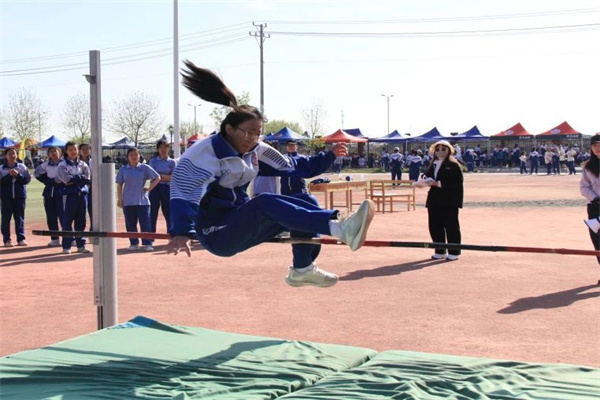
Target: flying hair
206 85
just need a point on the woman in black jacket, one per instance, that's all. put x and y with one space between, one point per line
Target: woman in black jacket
444 199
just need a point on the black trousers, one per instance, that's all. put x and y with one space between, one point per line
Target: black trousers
444 227
593 210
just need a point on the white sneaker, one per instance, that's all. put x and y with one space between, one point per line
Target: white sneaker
593 224
54 243
8 244
133 247
148 248
314 277
82 249
66 251
451 257
437 256
22 243
354 227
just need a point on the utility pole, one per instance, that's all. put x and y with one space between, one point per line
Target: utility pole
388 111
195 124
342 113
261 35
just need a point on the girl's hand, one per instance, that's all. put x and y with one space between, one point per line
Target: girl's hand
339 149
120 203
178 243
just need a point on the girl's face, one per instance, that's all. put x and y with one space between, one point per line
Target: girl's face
441 152
163 150
72 152
133 157
54 155
85 151
244 136
596 149
11 157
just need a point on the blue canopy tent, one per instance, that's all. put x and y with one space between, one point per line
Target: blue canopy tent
283 135
471 134
394 137
6 143
355 132
432 136
52 141
124 143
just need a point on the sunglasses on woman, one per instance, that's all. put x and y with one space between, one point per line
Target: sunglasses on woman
441 148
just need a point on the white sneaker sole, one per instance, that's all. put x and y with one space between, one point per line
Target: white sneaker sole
361 236
300 284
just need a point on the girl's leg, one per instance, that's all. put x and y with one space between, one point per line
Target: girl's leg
70 209
593 211
80 219
154 197
436 227
6 217
131 223
165 200
452 227
19 213
143 215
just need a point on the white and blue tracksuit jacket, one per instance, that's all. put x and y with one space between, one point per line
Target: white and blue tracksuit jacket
47 173
211 179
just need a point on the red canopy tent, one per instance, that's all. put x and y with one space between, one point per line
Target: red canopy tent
562 131
194 138
340 136
517 131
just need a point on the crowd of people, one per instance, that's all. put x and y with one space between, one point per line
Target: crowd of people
67 179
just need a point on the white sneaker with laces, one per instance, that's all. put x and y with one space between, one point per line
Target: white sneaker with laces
82 249
314 277
437 256
593 224
148 248
22 243
54 243
133 247
354 227
452 257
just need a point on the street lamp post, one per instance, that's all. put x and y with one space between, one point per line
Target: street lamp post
195 125
388 110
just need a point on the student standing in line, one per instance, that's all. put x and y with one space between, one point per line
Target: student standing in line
589 186
47 173
414 161
132 196
75 175
444 199
209 199
160 197
523 163
396 162
85 155
533 160
14 176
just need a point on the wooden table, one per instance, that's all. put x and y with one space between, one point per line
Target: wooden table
343 186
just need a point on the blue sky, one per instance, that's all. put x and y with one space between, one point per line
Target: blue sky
491 80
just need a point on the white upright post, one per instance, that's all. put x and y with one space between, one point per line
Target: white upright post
103 210
176 144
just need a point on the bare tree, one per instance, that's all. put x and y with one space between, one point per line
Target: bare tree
314 118
76 118
218 114
24 116
137 118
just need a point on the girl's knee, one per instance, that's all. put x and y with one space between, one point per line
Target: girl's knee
308 197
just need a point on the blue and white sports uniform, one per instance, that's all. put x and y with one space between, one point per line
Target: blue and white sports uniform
209 199
47 173
76 177
13 195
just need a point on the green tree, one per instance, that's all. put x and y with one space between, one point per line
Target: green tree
137 118
24 116
278 124
218 114
77 118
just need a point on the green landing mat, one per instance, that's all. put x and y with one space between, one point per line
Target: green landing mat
144 358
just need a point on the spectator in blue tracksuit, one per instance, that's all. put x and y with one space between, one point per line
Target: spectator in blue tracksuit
293 184
132 196
75 175
85 151
209 199
555 162
534 161
414 161
469 159
47 173
13 195
160 198
396 162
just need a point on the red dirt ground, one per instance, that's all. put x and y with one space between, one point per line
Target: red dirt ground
530 307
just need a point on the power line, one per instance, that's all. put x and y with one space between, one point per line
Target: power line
481 32
428 20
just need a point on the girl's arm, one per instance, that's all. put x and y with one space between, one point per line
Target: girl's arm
120 195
